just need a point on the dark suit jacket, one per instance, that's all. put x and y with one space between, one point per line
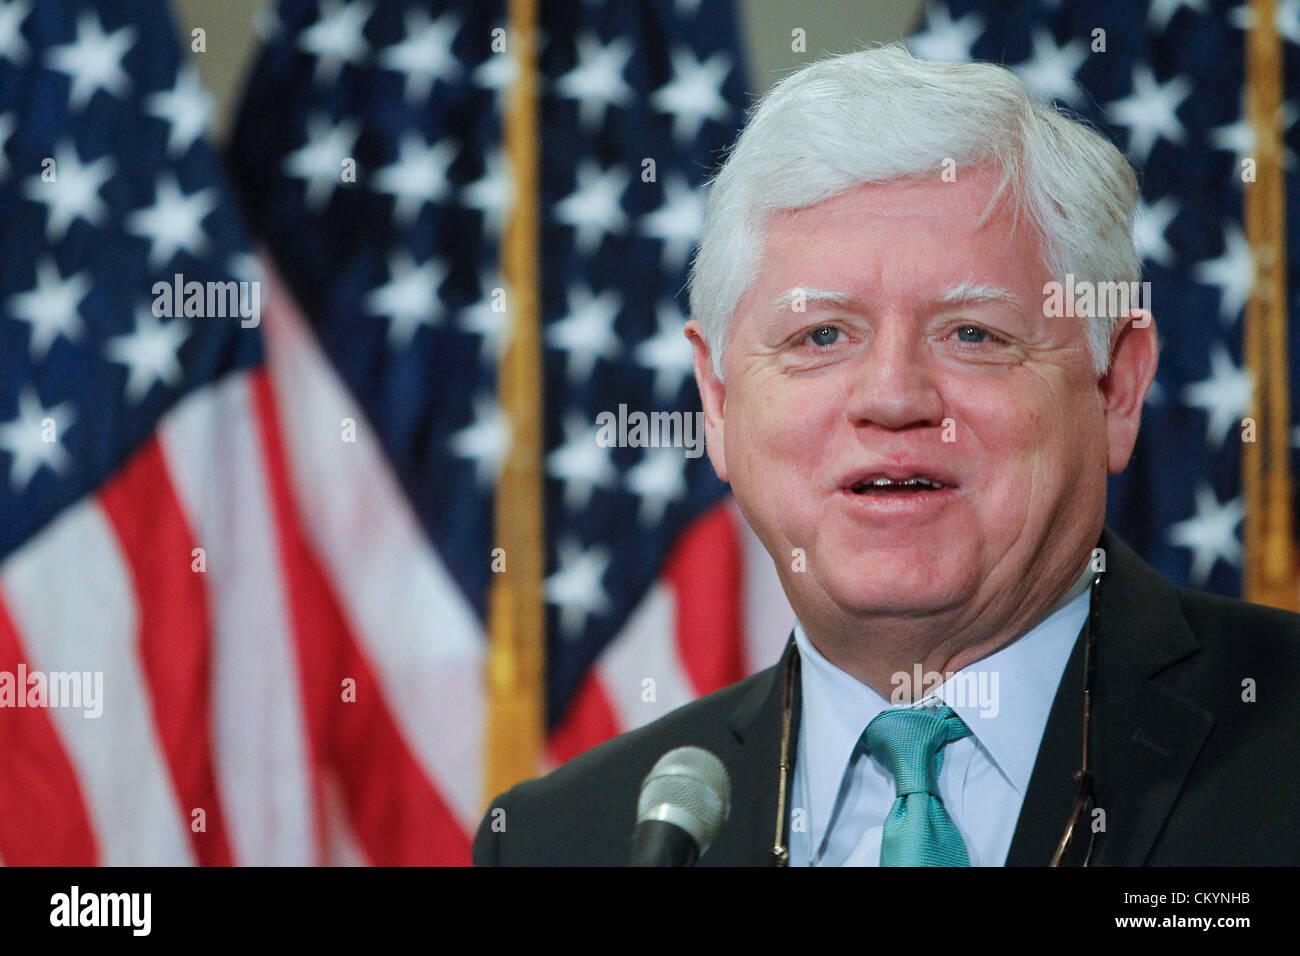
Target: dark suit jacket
1187 772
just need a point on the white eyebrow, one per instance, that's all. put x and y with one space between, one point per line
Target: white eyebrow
969 293
808 294
966 293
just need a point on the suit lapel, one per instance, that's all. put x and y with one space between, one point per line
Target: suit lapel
1144 738
755 768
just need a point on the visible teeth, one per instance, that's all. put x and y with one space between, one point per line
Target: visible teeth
926 483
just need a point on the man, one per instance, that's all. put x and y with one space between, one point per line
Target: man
921 437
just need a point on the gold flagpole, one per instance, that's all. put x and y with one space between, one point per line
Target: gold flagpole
515 672
1266 472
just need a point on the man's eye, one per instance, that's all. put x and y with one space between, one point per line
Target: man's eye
826 335
972 333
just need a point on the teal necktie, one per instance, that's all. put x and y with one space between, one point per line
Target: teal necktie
918 830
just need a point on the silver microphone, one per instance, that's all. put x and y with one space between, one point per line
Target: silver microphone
685 799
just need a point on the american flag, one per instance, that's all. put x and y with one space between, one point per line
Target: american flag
1165 80
137 539
272 535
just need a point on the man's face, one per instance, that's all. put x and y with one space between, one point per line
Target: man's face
932 361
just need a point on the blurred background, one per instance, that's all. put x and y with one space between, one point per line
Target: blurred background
763 34
309 316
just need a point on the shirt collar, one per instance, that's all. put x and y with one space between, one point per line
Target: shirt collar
1005 698
835 708
1020 681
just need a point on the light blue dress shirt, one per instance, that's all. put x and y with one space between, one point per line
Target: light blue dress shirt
841 794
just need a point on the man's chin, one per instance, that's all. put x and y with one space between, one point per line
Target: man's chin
896 590
906 605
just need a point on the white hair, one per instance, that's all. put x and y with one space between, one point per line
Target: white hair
881 115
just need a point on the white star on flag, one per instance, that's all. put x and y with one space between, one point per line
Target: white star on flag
575 588
594 207
417 177
586 332
246 267
73 193
1150 223
150 353
1225 396
659 478
1150 111
25 436
409 298
676 222
485 441
492 193
319 161
488 322
12 45
185 108
1239 137
668 352
581 463
945 39
496 73
93 60
336 38
1210 534
1233 272
50 308
174 222
695 92
596 80
1051 69
425 56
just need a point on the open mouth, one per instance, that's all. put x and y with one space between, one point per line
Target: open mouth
918 484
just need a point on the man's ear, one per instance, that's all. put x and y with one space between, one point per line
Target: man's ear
1134 355
713 396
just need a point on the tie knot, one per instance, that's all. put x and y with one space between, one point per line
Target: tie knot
909 741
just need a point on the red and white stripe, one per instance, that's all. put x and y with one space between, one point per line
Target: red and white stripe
198 719
408 752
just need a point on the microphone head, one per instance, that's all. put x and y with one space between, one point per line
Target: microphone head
690 788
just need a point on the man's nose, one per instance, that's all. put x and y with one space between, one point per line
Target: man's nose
894 383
